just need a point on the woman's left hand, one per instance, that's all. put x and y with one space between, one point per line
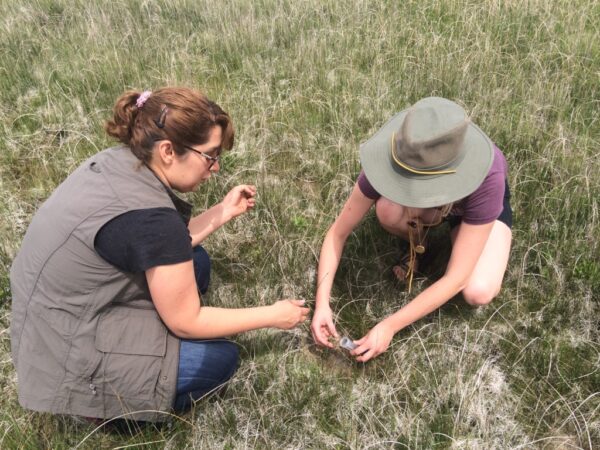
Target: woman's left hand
374 343
239 200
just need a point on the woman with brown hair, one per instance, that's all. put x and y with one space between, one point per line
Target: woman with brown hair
107 317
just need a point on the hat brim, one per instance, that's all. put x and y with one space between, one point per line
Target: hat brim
425 191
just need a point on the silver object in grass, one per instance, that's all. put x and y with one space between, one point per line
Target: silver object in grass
347 343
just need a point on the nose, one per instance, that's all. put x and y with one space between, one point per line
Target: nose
215 167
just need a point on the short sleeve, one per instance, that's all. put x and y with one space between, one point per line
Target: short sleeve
366 187
486 203
139 240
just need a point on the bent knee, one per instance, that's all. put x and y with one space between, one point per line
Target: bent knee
229 355
201 268
201 258
479 293
233 354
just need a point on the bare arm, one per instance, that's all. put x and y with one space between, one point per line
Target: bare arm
175 295
239 200
466 251
352 213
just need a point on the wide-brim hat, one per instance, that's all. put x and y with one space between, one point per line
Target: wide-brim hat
428 155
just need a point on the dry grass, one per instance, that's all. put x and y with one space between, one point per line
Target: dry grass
306 82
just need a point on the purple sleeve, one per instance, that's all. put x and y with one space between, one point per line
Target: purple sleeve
366 188
486 203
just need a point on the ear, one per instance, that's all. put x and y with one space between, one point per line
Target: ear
165 152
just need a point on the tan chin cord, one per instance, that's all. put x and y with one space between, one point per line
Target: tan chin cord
417 239
416 242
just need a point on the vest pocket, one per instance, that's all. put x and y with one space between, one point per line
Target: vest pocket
133 342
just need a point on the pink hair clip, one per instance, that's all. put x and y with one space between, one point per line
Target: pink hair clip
142 98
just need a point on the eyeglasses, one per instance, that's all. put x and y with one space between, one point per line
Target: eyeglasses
160 123
212 159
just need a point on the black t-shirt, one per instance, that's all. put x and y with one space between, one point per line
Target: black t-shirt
141 239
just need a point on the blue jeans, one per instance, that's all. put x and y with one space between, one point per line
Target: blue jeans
204 365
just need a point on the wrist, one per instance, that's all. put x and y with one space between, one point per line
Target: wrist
271 314
322 303
226 213
390 324
322 296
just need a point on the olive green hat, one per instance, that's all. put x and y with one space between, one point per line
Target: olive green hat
428 155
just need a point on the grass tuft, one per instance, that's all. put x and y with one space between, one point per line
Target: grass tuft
305 83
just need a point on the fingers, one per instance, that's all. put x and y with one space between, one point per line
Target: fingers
372 345
367 356
299 303
250 194
247 190
239 200
332 331
322 327
321 332
365 349
363 352
304 312
321 336
361 340
244 194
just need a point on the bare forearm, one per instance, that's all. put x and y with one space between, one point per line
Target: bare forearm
352 213
210 322
467 249
206 223
331 252
426 302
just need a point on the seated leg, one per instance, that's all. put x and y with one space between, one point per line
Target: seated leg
486 280
201 268
204 367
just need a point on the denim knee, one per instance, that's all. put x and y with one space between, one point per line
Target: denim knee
204 366
201 268
230 356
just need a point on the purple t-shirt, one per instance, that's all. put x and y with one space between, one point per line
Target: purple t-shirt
484 205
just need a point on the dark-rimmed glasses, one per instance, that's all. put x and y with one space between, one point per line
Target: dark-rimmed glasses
212 159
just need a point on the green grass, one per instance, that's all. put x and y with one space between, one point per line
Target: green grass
306 82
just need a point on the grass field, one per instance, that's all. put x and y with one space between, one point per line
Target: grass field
306 81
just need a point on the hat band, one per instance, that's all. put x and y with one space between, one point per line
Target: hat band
410 169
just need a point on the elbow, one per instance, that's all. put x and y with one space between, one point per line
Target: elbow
183 329
181 332
198 326
337 235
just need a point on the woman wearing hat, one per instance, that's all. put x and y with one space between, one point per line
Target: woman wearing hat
426 165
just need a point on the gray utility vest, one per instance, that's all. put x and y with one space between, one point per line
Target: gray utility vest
85 336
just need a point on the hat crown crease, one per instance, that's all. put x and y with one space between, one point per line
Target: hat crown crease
384 157
430 140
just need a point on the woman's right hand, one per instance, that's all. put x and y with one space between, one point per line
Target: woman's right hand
289 313
239 200
322 326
